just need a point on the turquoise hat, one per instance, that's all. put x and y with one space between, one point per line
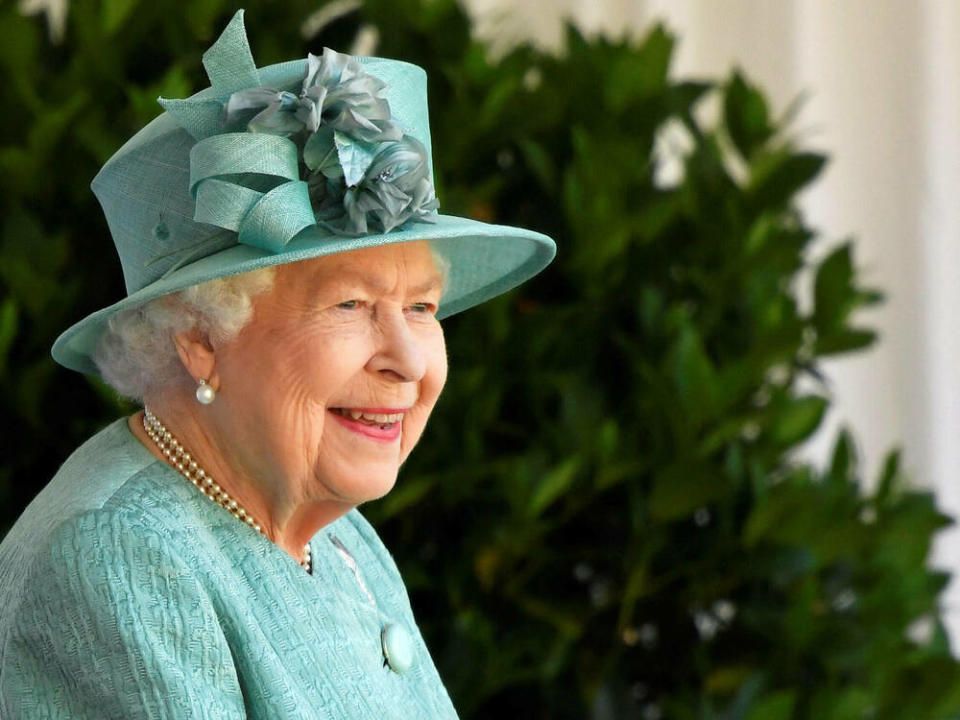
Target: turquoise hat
284 163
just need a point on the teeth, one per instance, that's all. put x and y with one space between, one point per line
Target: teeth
379 418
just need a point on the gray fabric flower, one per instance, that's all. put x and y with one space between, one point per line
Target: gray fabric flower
395 188
336 91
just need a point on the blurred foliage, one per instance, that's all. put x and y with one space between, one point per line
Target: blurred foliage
607 517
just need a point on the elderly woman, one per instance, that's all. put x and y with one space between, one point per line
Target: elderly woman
286 270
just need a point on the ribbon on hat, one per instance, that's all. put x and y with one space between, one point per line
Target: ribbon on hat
222 170
269 163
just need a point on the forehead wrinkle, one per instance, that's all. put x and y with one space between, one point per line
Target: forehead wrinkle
434 282
381 285
403 267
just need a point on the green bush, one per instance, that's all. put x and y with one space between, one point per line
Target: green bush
607 517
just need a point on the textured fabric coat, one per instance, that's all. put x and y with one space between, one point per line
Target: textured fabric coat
126 593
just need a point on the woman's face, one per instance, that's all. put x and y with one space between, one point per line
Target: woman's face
331 383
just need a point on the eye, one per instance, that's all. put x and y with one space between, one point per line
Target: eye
423 307
348 304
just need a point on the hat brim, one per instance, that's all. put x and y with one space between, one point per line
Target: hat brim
483 260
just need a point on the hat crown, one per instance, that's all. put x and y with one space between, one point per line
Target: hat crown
145 188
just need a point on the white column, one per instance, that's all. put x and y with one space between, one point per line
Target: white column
862 61
940 306
713 37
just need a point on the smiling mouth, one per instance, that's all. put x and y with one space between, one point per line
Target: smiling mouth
384 419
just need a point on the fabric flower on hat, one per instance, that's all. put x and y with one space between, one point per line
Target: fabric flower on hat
361 169
394 187
336 92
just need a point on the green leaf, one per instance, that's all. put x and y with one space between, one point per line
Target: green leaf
844 341
799 514
776 178
201 17
115 12
766 517
833 288
407 493
552 485
775 706
540 163
725 679
631 78
143 99
844 459
929 690
497 98
682 96
8 329
745 115
681 488
835 297
889 476
849 703
797 419
694 375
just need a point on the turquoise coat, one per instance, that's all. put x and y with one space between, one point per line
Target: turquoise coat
126 593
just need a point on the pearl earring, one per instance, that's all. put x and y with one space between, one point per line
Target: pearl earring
205 393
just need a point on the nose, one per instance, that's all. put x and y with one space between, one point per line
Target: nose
399 355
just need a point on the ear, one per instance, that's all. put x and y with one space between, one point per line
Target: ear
197 356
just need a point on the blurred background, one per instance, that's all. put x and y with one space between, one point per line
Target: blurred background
874 84
703 466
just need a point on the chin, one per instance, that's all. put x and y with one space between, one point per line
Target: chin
375 491
355 493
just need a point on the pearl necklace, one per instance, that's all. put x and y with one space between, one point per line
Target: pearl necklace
184 463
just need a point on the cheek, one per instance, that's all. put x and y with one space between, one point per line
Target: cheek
317 366
435 353
430 387
438 377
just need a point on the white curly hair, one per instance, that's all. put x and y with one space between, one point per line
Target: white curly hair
136 355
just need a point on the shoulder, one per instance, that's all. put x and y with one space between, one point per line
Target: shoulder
112 618
113 559
105 459
87 480
93 526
